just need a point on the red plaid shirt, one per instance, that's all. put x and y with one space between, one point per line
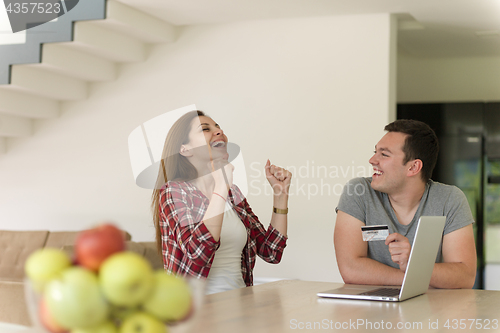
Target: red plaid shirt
188 246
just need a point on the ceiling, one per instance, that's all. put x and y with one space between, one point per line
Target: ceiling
428 28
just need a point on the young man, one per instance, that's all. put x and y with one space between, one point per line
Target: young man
399 192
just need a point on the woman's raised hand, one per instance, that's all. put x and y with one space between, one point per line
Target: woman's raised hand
279 179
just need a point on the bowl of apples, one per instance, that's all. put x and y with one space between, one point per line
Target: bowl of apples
106 289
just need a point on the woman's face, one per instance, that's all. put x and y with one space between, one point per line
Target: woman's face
206 132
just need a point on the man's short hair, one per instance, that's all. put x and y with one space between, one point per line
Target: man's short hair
421 143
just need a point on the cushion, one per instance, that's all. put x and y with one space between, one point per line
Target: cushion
13 307
152 255
16 247
58 239
135 247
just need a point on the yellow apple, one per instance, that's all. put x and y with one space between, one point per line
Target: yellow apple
142 322
170 299
75 300
126 279
45 264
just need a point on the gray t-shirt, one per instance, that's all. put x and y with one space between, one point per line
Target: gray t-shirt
372 207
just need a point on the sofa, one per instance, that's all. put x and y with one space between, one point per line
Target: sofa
15 248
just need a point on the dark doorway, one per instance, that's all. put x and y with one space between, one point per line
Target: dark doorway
469 158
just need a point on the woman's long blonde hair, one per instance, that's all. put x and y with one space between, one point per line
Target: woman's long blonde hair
173 166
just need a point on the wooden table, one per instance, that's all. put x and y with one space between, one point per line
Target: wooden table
292 306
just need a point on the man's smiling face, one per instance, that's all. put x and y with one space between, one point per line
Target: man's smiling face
389 172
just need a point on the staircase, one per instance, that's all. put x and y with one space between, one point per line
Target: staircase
61 57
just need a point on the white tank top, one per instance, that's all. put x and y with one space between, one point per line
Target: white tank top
225 273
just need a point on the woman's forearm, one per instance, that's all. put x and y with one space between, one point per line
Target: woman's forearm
280 221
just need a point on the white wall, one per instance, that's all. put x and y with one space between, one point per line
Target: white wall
307 93
448 79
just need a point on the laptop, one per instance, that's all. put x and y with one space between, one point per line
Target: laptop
418 271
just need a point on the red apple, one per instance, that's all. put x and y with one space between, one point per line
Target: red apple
93 246
47 320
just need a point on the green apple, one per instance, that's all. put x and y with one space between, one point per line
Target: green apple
47 320
75 300
106 327
45 264
142 322
170 299
119 313
126 278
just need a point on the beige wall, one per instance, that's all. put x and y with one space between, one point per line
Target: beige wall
448 79
311 94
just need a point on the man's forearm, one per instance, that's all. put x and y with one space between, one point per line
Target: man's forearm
368 271
453 275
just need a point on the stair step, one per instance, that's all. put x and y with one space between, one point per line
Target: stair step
38 81
68 61
131 22
17 103
108 44
67 65
12 126
50 32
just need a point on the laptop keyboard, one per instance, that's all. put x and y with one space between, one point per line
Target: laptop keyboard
383 292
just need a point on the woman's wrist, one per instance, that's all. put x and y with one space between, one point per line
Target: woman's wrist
280 211
281 201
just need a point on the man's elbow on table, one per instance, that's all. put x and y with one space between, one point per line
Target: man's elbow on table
349 273
453 275
458 269
469 273
469 283
351 279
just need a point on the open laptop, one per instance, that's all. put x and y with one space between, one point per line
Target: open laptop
418 271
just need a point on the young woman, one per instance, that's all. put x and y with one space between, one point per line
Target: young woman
204 226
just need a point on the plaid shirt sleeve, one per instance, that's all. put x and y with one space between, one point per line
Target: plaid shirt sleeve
267 244
188 246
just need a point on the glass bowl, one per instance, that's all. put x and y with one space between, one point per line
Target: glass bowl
197 287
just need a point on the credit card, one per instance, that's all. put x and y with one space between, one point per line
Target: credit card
374 232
